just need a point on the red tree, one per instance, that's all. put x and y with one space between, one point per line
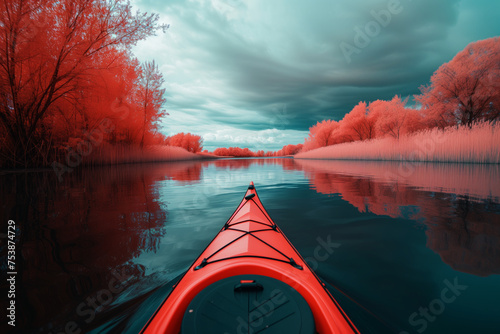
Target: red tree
394 119
51 52
190 142
321 135
237 152
290 149
150 96
465 90
358 124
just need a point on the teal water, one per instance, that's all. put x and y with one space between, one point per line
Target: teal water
411 248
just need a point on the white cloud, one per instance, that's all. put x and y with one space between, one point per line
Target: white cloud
270 139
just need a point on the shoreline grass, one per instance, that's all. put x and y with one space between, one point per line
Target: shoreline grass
479 144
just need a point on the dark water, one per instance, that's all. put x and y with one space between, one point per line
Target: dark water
414 248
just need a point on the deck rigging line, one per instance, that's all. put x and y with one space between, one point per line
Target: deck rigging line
228 226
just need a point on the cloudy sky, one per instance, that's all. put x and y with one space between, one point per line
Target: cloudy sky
259 73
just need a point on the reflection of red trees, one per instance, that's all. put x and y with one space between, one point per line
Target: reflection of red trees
287 163
183 171
461 230
362 193
75 235
234 163
471 242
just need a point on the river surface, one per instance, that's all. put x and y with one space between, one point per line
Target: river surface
411 248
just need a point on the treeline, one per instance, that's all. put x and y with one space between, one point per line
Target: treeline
461 93
69 83
246 152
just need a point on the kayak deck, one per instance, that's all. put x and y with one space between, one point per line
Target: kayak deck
240 282
246 304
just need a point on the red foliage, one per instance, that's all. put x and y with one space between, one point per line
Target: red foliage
321 135
235 152
463 91
466 89
247 153
357 125
65 68
190 142
289 150
394 119
150 96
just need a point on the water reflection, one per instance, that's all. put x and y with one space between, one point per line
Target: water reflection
76 236
184 172
472 180
457 203
243 163
143 220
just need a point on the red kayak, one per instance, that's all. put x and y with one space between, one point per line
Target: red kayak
250 279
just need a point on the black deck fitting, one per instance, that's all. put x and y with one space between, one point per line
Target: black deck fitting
293 263
201 265
249 196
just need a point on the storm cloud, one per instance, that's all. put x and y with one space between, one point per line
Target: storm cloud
259 73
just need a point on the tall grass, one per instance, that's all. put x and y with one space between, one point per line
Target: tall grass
479 144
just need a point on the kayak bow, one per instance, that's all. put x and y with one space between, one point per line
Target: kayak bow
250 279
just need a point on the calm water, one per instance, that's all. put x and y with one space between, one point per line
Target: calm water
414 248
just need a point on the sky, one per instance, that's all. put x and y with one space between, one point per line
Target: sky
259 73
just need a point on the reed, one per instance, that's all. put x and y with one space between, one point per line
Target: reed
478 144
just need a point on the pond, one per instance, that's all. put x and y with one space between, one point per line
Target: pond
412 248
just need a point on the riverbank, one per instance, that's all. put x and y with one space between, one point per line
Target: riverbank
479 144
122 154
110 155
